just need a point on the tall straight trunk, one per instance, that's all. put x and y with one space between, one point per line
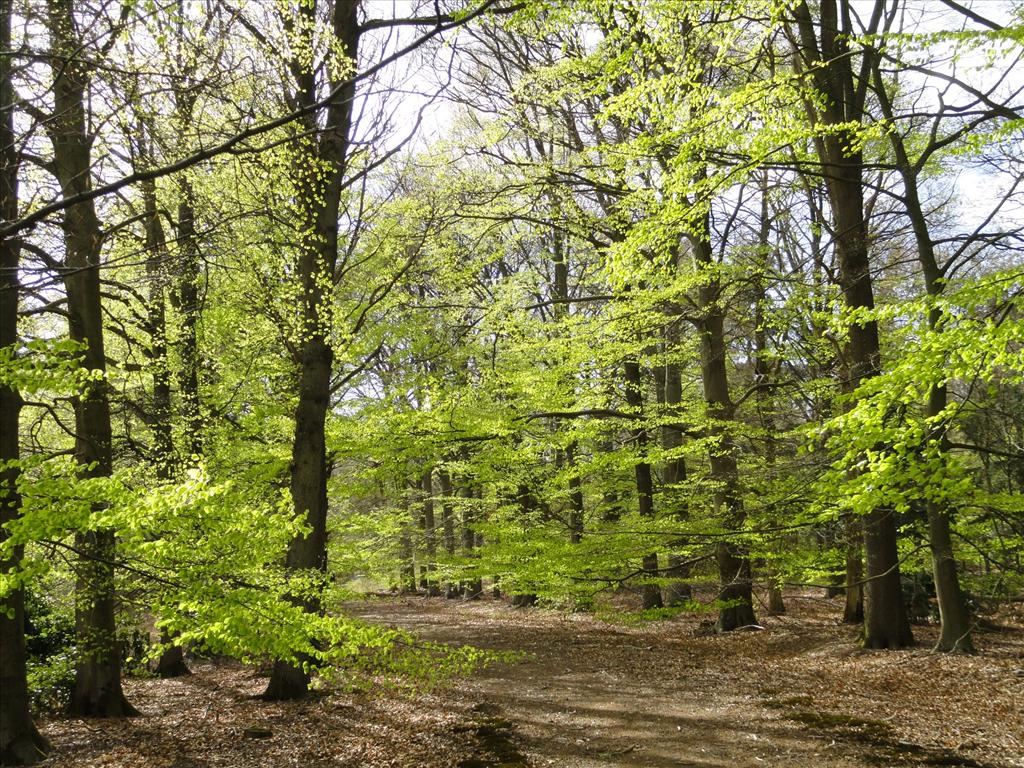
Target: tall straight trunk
955 634
429 533
852 529
611 505
407 561
954 615
561 312
853 605
422 563
320 173
527 505
20 740
576 508
309 494
444 480
842 165
678 592
472 588
185 297
163 456
172 660
736 592
885 618
852 535
651 594
97 690
762 368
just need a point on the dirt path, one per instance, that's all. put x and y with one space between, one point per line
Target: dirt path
591 694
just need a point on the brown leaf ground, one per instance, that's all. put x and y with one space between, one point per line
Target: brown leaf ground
593 693
199 721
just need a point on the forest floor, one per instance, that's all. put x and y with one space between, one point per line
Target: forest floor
592 693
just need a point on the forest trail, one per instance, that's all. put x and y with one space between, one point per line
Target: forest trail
592 694
588 697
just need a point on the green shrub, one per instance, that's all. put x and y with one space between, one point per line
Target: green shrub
50 649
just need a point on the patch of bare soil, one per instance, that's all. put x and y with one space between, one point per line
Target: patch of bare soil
798 693
592 693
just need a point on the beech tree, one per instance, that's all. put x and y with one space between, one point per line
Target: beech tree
547 301
20 741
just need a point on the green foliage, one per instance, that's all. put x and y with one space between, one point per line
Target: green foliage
631 175
49 645
51 366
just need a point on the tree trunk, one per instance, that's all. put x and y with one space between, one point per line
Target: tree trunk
172 659
451 589
842 166
186 300
97 690
527 504
560 311
678 592
885 618
954 615
611 505
429 533
955 618
472 588
762 369
651 594
20 741
407 562
163 456
853 608
319 202
736 593
309 494
576 509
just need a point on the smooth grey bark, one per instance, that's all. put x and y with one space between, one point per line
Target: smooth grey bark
851 535
183 294
611 504
852 541
527 505
853 604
